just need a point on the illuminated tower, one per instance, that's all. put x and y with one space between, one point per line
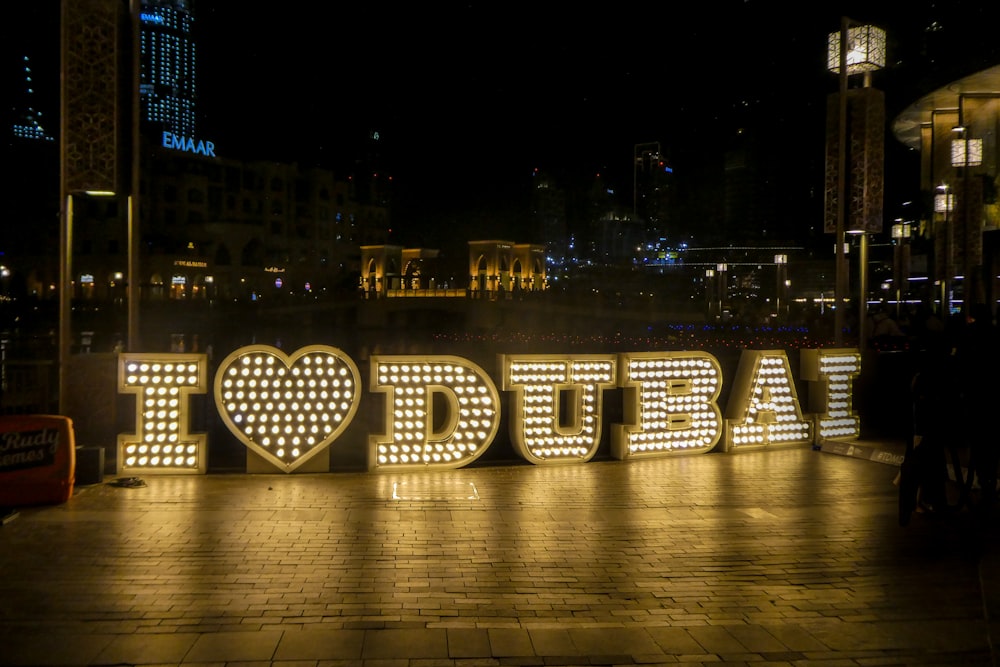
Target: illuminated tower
167 86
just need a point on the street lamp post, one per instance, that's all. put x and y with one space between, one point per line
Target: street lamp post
133 236
966 153
91 120
709 290
780 262
720 271
856 49
900 261
944 203
840 269
862 286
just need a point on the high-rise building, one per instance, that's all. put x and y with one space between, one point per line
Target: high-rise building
652 179
168 70
27 121
548 203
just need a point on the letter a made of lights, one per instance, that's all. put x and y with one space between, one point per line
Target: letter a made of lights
764 409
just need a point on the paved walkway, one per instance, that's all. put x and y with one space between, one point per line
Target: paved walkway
785 557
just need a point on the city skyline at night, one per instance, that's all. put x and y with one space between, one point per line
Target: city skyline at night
468 100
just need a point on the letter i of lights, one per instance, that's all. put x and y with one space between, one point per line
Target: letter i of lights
831 372
161 383
764 407
417 437
287 408
670 405
542 428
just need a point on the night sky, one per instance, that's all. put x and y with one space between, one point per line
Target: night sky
471 97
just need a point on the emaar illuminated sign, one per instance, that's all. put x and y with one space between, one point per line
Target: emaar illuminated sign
188 145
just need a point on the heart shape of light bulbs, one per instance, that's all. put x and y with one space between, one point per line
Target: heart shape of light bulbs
287 408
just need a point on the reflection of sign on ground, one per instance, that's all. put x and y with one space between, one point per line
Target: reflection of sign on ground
28 449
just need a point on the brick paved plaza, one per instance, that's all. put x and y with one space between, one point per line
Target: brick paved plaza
785 557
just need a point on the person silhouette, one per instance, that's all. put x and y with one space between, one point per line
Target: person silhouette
978 363
933 399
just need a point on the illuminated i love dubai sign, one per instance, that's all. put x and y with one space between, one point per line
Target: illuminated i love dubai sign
443 411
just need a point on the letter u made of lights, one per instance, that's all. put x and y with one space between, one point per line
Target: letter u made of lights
555 412
287 408
162 443
670 404
441 411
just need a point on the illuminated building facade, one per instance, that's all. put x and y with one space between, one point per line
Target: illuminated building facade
168 70
954 129
246 230
220 228
496 269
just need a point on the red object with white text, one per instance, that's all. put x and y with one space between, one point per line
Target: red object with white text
37 460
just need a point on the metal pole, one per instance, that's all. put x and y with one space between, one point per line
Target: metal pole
840 267
897 273
862 289
949 260
65 227
65 296
132 286
777 292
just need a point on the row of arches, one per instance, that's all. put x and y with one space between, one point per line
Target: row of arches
494 268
